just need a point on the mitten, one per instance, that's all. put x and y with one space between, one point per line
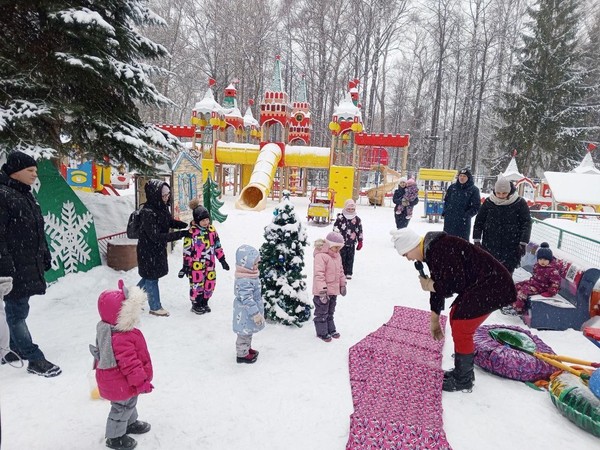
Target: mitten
359 246
546 294
224 263
405 202
258 319
5 286
522 249
146 388
323 297
185 271
343 291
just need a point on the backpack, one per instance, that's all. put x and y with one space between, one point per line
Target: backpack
134 224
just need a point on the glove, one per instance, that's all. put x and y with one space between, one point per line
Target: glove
426 284
343 291
405 202
185 271
323 297
224 263
359 246
258 319
146 388
547 294
522 249
5 286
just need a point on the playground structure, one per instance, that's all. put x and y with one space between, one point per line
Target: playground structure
433 184
273 153
91 176
321 207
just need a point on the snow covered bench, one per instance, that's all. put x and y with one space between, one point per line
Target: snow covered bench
570 308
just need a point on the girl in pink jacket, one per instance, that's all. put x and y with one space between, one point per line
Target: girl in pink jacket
122 363
329 281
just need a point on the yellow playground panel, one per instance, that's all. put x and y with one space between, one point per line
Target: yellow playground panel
427 179
321 208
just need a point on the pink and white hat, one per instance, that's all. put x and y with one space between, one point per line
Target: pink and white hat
334 239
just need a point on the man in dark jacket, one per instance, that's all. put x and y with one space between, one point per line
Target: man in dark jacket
156 221
24 256
505 223
461 202
483 285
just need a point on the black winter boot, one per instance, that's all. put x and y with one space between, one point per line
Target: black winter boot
138 427
450 373
121 443
461 378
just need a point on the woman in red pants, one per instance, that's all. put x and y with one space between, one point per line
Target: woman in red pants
458 267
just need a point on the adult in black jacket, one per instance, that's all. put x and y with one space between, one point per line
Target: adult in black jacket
400 217
461 202
505 223
24 256
156 221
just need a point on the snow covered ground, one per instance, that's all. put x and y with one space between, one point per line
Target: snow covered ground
297 395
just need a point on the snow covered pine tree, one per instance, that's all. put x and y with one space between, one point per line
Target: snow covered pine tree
281 265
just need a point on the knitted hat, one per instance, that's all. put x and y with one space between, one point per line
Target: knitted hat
502 185
349 204
18 161
544 252
200 213
405 240
402 180
465 171
334 239
411 182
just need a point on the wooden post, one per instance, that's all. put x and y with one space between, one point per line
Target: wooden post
404 160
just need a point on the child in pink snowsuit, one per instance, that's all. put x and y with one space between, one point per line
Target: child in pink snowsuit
329 281
410 198
122 363
544 281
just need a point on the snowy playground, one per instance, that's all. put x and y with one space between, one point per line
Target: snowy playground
297 395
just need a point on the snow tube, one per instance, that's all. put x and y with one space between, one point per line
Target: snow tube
576 402
503 360
594 383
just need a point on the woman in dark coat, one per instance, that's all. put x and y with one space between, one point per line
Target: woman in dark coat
400 216
505 223
461 203
458 267
156 220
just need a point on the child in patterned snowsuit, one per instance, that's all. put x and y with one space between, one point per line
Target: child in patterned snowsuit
200 249
544 281
122 362
409 199
248 306
349 225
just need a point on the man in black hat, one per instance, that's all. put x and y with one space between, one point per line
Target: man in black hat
24 256
461 203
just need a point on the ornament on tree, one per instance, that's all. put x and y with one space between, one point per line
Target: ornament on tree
210 196
281 265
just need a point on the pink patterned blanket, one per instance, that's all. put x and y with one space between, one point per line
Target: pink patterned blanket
396 380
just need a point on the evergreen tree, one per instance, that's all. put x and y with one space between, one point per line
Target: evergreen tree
210 196
72 75
545 114
281 265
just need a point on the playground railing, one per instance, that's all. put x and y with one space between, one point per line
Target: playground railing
579 238
103 243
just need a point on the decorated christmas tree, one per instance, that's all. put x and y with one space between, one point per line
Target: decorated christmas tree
281 265
210 196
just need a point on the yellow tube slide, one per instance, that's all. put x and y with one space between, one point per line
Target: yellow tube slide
254 195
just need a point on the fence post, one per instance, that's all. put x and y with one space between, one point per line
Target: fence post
560 236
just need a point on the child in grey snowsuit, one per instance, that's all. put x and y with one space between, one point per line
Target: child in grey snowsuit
6 354
248 306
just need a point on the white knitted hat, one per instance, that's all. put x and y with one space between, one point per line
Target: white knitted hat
502 185
405 240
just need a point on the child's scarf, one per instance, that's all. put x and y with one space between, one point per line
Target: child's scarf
243 272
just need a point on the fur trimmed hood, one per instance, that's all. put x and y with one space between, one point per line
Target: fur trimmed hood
122 307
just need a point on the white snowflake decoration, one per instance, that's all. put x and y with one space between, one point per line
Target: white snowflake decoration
67 234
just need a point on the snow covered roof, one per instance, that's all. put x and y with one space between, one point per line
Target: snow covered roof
189 158
208 104
587 165
249 120
346 109
574 187
512 171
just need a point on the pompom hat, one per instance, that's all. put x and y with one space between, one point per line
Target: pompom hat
18 161
199 212
334 239
405 240
544 252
